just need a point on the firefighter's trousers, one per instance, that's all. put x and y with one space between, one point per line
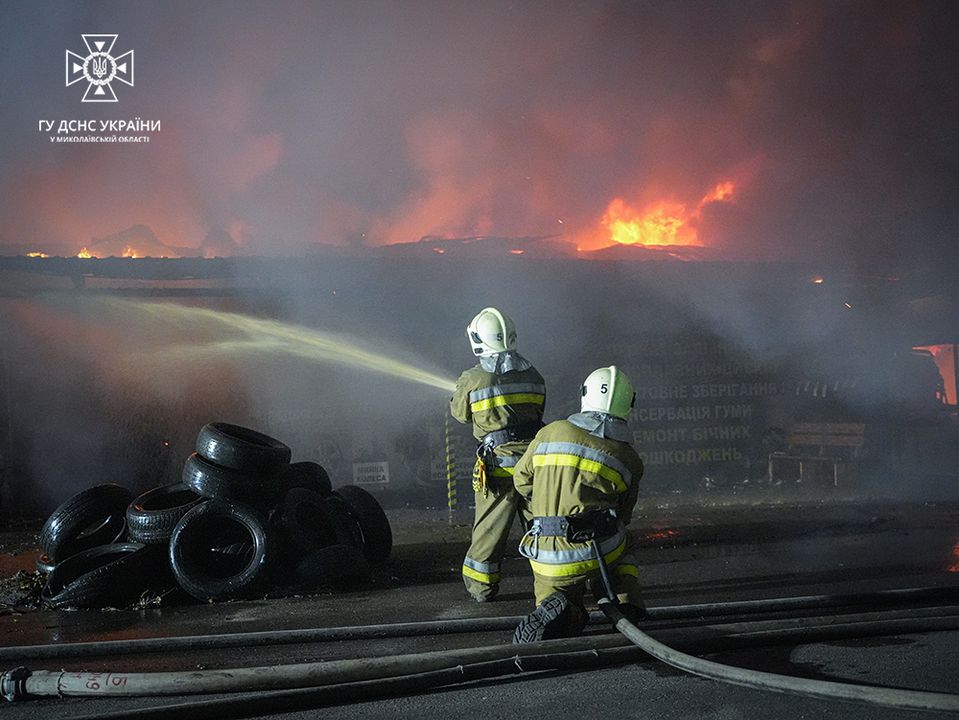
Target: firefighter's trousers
496 506
623 573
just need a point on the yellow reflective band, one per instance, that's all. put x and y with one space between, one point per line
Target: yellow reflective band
485 578
565 460
576 568
514 399
500 472
626 569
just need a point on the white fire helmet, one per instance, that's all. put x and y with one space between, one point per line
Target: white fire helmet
608 390
491 332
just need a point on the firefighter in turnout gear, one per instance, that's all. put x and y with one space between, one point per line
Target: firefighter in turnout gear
580 471
503 396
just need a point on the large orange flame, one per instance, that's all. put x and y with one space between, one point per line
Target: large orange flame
660 223
663 223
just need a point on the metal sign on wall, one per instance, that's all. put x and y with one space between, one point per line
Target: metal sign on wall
371 473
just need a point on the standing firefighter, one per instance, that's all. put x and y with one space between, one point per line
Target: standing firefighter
580 477
503 396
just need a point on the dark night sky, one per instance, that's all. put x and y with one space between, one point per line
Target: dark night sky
291 123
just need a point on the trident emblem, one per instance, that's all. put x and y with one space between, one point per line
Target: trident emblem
99 68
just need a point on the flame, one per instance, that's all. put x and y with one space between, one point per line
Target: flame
517 251
945 363
721 193
662 534
660 224
129 252
84 253
954 567
663 222
37 254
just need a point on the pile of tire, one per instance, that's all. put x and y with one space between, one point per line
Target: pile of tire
243 520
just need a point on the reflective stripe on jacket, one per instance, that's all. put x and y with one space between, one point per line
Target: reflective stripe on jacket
497 401
515 393
584 459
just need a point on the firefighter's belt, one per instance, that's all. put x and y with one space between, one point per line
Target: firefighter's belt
579 528
510 434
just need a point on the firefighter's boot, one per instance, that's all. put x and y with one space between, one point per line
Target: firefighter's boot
556 617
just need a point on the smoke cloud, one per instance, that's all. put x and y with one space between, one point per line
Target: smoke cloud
374 123
295 125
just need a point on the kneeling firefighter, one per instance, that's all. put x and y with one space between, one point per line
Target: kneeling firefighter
580 477
503 396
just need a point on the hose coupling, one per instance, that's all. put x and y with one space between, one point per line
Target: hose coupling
13 684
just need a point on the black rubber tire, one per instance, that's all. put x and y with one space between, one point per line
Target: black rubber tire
377 534
95 516
114 575
202 553
152 516
309 475
219 483
339 566
239 448
44 565
305 521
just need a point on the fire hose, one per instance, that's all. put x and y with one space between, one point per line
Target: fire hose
334 682
338 682
445 667
880 598
825 689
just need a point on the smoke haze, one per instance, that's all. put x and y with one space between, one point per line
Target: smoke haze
293 124
814 133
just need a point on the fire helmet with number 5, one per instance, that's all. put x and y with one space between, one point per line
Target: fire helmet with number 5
608 390
491 332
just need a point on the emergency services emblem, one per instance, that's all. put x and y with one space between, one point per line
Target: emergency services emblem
99 68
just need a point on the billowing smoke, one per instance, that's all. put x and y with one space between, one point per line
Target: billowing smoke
292 125
816 133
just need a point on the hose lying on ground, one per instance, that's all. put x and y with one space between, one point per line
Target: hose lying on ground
899 698
339 673
266 703
463 625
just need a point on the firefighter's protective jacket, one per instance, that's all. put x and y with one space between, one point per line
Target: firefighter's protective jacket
497 401
565 471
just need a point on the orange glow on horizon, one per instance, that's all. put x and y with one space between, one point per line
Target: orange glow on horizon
84 253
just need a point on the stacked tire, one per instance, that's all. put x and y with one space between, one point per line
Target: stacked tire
223 547
241 511
85 557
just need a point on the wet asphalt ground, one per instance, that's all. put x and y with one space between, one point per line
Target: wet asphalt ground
690 554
